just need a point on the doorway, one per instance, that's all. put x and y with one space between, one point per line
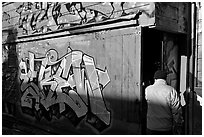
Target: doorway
152 55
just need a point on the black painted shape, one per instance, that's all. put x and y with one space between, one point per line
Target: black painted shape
71 115
94 121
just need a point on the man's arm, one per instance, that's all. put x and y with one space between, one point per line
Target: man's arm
176 110
175 106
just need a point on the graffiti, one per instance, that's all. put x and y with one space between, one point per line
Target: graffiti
6 17
41 17
171 60
70 86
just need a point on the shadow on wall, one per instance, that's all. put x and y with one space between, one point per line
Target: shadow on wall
68 92
10 94
51 121
49 90
56 119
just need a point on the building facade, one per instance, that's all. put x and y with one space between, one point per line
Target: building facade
83 66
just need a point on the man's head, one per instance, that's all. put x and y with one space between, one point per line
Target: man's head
160 74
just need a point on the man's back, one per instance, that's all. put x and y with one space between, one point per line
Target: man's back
160 98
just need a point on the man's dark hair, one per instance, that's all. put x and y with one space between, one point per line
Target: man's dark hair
160 74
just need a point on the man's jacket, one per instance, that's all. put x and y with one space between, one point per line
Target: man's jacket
163 106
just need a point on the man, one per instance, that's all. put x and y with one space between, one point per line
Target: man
164 109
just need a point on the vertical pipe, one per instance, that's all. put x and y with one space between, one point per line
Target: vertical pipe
162 55
142 90
193 59
188 66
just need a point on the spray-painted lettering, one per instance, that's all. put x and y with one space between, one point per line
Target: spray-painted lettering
41 17
70 86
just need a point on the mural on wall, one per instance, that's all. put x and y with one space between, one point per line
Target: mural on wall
69 86
171 60
41 17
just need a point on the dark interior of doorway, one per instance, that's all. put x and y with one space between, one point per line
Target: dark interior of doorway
151 61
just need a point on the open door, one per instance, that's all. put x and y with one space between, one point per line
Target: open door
152 59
